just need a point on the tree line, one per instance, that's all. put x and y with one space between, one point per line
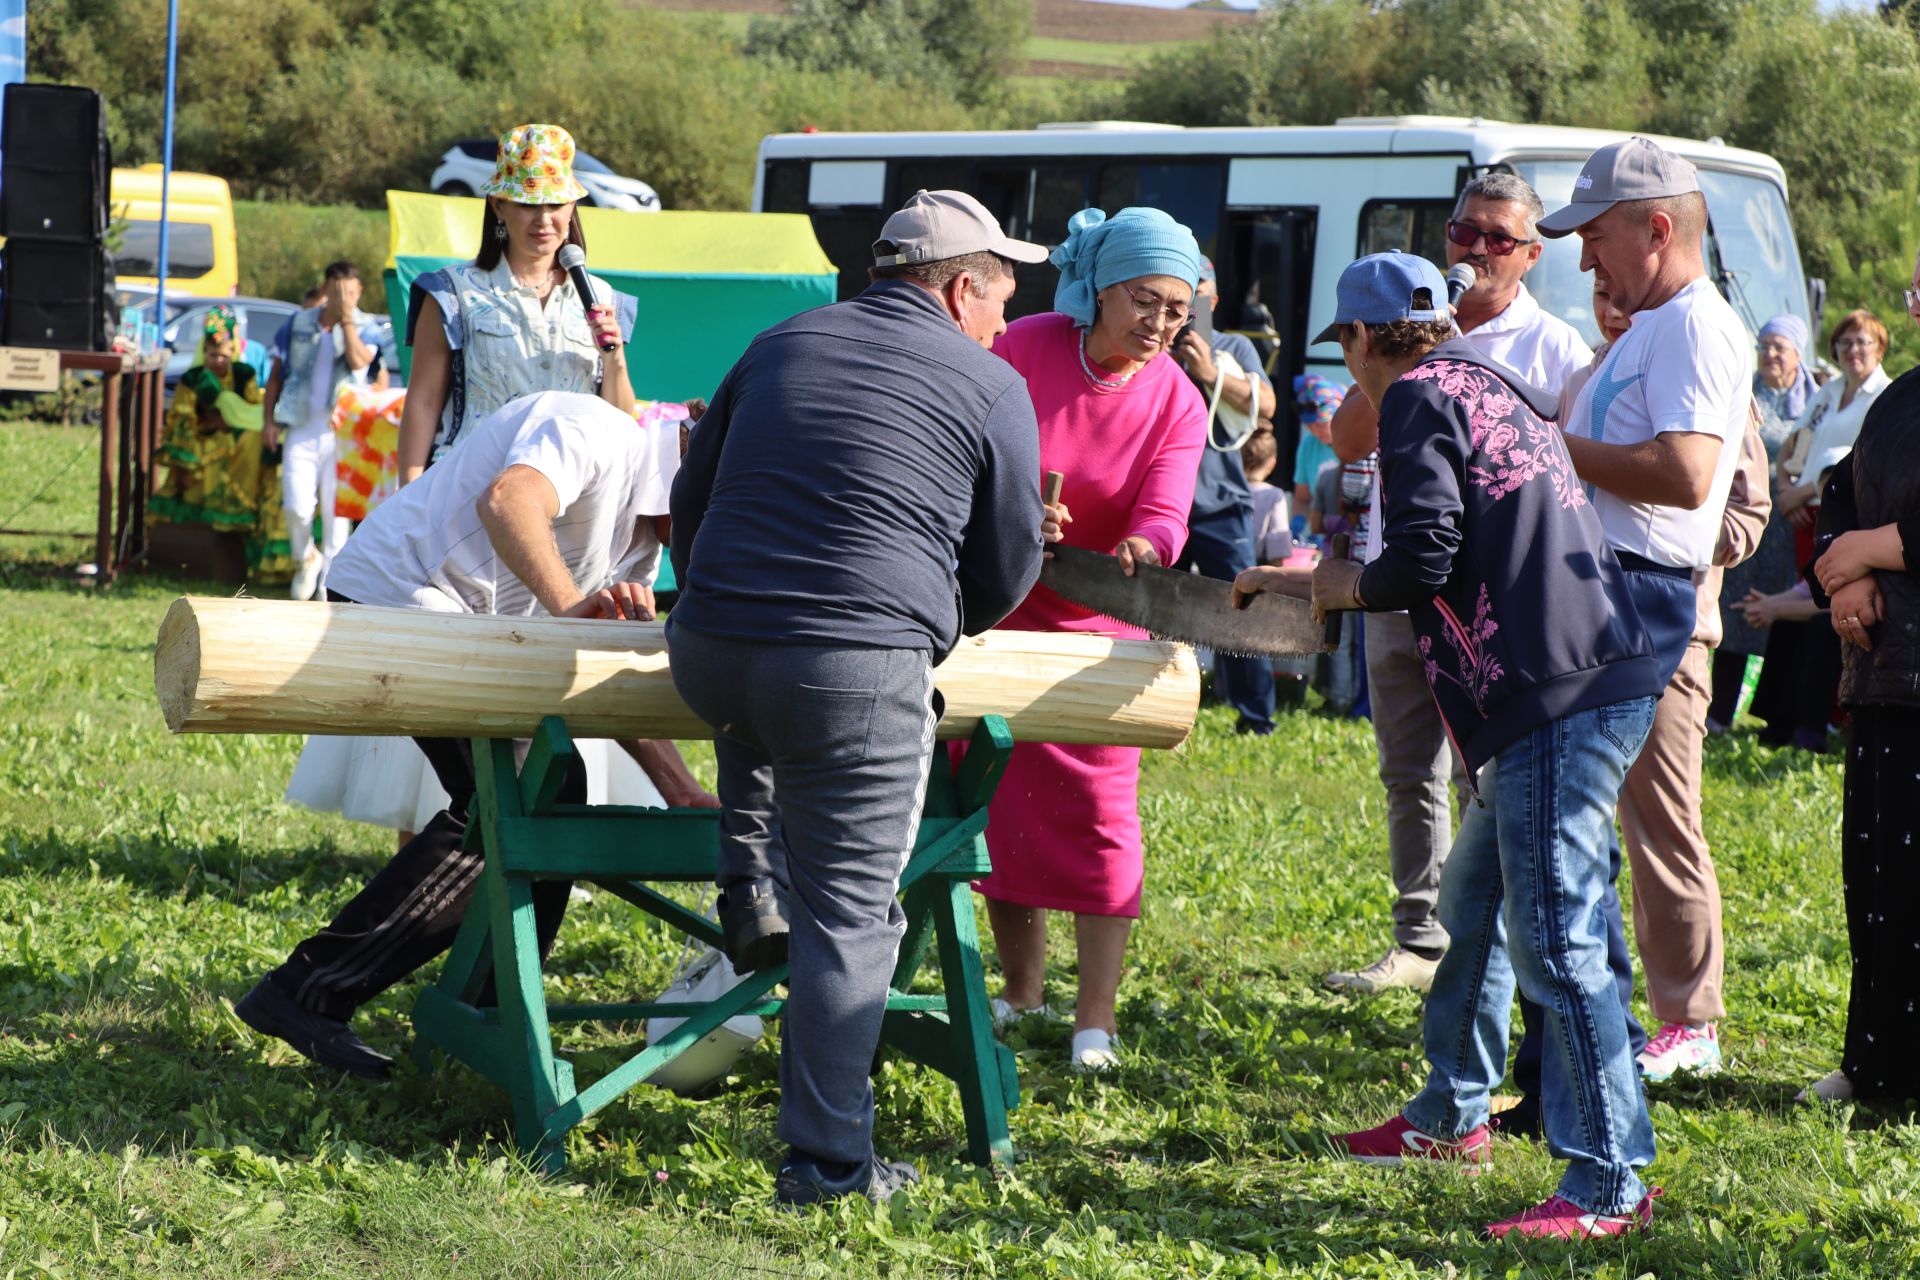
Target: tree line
335 101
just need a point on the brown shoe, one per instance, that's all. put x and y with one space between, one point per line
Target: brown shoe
1398 968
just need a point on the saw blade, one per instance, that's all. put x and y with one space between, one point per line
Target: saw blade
1172 605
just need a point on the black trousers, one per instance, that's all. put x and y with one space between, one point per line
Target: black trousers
409 913
1880 871
1798 682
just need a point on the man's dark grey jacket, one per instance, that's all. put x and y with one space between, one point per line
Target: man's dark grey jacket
866 476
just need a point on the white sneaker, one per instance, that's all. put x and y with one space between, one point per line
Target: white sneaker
1680 1046
702 976
1094 1052
1398 968
1832 1087
306 577
1006 1014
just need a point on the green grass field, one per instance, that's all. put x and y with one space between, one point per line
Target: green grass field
146 881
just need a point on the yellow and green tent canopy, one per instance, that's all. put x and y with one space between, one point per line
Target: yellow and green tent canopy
706 283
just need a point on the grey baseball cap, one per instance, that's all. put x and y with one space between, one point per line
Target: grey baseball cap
1636 169
946 224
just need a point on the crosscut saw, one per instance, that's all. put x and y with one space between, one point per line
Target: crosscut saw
1185 606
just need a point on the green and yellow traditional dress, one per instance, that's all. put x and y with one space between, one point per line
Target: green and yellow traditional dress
218 474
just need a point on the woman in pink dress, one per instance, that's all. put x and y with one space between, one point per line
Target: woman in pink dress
1126 428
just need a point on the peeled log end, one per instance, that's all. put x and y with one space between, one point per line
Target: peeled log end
176 663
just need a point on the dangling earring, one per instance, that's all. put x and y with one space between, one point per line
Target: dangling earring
500 232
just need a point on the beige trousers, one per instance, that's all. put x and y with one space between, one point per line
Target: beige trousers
1676 896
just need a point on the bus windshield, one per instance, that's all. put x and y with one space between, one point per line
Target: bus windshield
1753 253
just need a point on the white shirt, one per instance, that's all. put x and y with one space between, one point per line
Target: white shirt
1835 429
1542 348
1684 366
1272 520
425 547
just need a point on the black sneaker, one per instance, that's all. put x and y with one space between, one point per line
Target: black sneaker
1521 1120
272 1012
753 926
803 1180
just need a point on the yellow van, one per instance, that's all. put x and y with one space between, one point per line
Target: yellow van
202 259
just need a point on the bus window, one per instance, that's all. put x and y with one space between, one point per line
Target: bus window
1191 192
1760 268
189 250
785 189
1266 283
1418 227
847 236
1556 281
1058 193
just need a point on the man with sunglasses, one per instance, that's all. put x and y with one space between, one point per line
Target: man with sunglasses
1493 231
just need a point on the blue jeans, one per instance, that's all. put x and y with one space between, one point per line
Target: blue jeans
1220 545
1521 899
1665 603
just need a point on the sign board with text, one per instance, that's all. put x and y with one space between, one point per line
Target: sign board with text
29 369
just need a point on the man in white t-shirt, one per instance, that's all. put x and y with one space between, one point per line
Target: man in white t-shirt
1492 230
323 345
554 505
1656 433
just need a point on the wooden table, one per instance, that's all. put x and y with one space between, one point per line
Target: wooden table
132 408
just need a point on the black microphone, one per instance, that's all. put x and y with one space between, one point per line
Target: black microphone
1459 280
573 260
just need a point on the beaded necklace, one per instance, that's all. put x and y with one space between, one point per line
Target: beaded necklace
1086 367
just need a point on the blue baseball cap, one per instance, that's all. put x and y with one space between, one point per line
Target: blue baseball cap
1379 288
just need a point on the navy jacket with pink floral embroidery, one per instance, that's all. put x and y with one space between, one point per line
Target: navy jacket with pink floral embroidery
1520 609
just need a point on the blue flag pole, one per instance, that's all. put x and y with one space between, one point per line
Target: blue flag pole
166 163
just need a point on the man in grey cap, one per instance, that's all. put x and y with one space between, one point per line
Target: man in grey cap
864 487
1656 433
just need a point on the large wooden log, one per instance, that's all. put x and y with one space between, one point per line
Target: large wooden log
259 666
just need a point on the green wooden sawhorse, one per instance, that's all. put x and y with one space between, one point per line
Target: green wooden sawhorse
525 835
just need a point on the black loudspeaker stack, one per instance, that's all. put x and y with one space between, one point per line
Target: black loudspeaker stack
56 170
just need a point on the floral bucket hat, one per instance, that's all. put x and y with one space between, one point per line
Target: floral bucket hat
535 166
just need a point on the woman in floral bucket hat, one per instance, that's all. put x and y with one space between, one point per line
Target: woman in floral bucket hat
509 323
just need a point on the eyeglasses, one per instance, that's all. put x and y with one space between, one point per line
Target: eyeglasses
1147 305
1854 344
1913 299
1499 243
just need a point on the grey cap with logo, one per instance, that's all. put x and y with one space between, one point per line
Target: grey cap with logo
1636 169
946 224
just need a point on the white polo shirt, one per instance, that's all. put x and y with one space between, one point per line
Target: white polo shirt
1686 365
425 547
1542 348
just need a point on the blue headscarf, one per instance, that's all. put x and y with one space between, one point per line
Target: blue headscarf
1100 251
1788 404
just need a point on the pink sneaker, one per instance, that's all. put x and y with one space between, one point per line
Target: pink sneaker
1396 1140
1560 1219
1680 1047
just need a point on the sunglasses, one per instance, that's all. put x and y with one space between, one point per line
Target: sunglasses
1499 243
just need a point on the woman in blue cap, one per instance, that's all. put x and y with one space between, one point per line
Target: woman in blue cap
1125 426
1545 679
